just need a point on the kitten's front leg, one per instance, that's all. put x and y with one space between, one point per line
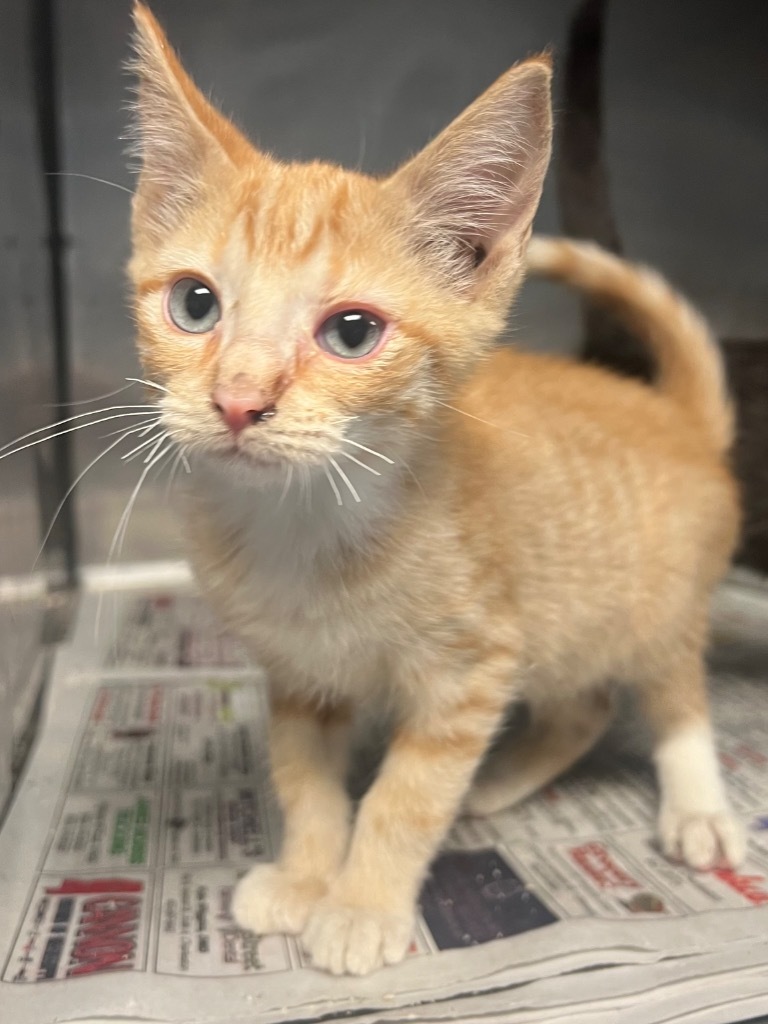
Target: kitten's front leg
308 754
367 918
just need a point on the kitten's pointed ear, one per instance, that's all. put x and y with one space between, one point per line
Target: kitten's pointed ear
474 190
179 137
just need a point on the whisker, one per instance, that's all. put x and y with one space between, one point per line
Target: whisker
69 430
149 383
142 429
306 486
286 486
413 477
158 440
436 438
122 529
123 521
69 419
348 440
88 177
73 485
122 526
162 437
87 401
345 478
174 467
184 460
461 412
139 448
333 484
359 463
174 470
479 419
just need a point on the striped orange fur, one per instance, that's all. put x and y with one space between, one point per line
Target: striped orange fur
429 526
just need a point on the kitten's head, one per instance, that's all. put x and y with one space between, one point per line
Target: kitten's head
286 308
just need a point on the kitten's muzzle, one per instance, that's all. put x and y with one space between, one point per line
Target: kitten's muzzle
239 411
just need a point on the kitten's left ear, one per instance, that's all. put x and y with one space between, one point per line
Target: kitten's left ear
181 140
474 190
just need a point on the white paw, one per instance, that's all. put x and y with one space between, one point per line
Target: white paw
268 900
355 940
702 840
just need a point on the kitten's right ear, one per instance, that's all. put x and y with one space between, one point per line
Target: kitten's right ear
180 139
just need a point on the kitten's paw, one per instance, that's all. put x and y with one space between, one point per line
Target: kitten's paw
356 940
268 900
701 840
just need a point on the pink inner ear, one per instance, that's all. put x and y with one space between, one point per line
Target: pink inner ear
180 139
480 254
481 179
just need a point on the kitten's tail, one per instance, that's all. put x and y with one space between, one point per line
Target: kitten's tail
690 369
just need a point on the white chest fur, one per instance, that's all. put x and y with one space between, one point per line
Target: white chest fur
285 567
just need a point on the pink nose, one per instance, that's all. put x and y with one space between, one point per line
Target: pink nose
241 410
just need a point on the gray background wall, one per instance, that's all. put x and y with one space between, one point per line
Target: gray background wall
366 84
363 84
27 377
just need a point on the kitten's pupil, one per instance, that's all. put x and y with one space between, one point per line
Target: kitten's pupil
193 306
199 301
351 333
353 329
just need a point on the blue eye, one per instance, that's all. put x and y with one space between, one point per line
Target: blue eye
193 306
351 333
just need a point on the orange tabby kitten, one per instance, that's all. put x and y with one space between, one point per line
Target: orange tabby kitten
387 509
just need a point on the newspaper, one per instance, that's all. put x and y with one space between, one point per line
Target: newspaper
148 796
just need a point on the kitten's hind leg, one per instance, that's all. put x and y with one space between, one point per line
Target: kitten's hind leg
309 760
696 824
558 735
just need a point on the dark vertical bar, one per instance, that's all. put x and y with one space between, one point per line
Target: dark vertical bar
54 477
583 182
582 175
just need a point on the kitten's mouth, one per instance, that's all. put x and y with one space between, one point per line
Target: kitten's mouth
282 456
258 460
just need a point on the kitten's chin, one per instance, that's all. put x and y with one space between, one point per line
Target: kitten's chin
246 468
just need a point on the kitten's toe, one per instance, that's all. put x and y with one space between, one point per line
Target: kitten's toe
356 940
268 900
703 841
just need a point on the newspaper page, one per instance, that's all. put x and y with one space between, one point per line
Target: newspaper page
149 629
148 796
